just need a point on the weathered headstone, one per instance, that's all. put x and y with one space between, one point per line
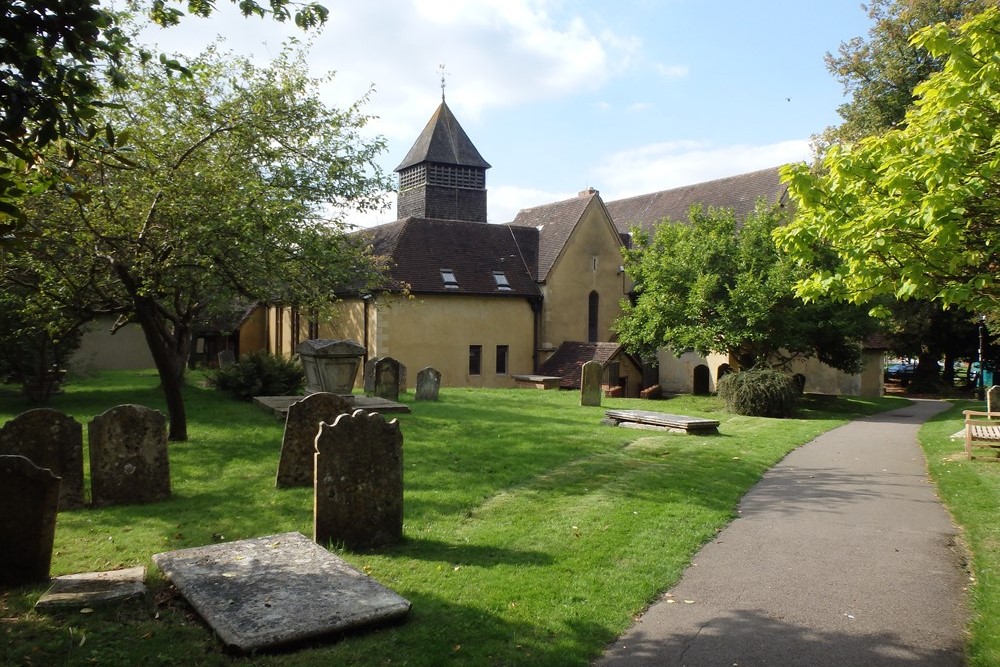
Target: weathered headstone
53 440
226 358
993 398
128 456
428 384
277 590
298 445
94 588
387 372
29 501
370 375
358 498
590 383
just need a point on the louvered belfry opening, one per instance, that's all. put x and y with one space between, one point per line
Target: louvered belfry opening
443 176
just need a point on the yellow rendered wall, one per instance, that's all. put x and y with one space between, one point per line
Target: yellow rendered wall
100 350
253 331
433 330
569 283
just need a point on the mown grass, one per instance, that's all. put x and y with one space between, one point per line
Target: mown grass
533 534
971 492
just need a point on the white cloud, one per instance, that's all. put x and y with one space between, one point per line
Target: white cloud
504 202
662 166
637 107
671 71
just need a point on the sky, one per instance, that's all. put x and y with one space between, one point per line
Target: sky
625 96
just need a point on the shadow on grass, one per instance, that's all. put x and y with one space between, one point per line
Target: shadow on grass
749 637
458 553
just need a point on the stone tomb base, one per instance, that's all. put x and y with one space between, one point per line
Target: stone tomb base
661 421
94 588
275 590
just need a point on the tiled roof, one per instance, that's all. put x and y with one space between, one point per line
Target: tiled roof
419 248
555 222
444 141
568 360
739 193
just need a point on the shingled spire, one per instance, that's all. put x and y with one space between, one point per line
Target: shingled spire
443 176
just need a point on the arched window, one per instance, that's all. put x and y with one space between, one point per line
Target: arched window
592 317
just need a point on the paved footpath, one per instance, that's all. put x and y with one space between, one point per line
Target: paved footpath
842 555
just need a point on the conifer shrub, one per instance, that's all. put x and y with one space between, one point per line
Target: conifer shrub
759 392
259 374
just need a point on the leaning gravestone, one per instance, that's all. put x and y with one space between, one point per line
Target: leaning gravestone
53 440
29 501
387 373
128 456
428 384
298 445
370 375
590 383
358 499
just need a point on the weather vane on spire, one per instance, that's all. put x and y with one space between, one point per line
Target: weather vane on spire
441 68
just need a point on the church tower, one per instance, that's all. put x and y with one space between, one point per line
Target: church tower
443 176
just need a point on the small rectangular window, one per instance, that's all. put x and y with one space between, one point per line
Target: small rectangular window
448 277
503 351
502 283
593 263
475 359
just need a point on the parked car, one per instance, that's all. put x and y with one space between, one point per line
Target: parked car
899 372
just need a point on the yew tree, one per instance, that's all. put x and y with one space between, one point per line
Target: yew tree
716 284
914 212
228 190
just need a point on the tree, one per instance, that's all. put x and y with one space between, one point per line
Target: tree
914 212
225 191
53 59
881 72
712 286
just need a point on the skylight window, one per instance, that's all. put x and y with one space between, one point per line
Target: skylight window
502 283
448 277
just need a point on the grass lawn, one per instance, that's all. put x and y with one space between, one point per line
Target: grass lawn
971 492
533 535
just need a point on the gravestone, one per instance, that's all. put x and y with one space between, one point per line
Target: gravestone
94 588
49 439
428 384
29 501
590 383
370 375
387 373
298 445
993 398
226 358
358 499
128 456
278 590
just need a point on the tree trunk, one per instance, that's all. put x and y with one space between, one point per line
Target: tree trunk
163 346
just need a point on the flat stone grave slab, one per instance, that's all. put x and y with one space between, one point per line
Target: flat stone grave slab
272 591
676 423
90 589
279 404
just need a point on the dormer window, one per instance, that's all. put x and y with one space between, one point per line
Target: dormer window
502 283
448 277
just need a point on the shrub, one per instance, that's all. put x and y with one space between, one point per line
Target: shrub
759 392
259 374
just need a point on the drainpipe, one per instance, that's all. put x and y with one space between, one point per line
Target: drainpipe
365 298
536 310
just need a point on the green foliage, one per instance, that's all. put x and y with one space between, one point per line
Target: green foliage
714 285
879 73
259 373
915 212
759 392
224 194
53 59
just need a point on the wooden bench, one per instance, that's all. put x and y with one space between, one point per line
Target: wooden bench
982 429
